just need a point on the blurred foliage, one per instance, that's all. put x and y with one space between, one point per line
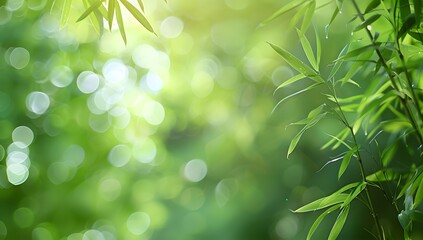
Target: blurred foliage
167 137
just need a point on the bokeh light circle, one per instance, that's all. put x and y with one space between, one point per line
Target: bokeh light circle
138 223
19 58
195 170
37 102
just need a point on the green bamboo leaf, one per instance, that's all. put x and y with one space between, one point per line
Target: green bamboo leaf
120 22
323 202
338 64
318 49
405 219
338 140
89 10
339 223
367 22
408 24
308 15
141 5
417 216
294 62
286 8
296 93
111 12
357 52
388 154
411 185
53 4
65 12
384 175
339 4
307 49
356 66
320 219
372 5
404 9
353 195
291 80
297 15
416 35
296 139
346 161
417 10
138 15
419 194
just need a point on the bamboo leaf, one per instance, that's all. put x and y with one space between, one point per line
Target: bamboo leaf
294 62
338 140
120 22
357 51
419 194
141 5
286 8
291 80
111 12
346 161
372 5
339 4
323 202
404 9
296 93
384 175
90 10
308 15
417 10
65 13
53 4
405 219
307 49
408 24
320 219
367 22
353 195
338 64
339 223
138 15
318 49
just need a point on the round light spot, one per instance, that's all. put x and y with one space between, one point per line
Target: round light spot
202 84
153 112
61 76
115 73
19 57
17 173
41 233
87 82
195 170
2 152
110 188
152 81
36 5
121 117
171 27
287 227
14 5
93 234
18 158
119 155
3 230
74 155
193 198
145 151
37 102
58 172
5 15
23 217
138 223
17 147
23 134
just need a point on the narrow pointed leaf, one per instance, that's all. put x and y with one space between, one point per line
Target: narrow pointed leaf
307 49
318 49
296 93
338 64
384 175
408 24
141 5
367 22
286 8
338 139
52 6
111 12
404 9
323 203
417 10
294 62
419 195
65 13
346 161
339 223
291 80
320 219
372 5
90 10
357 51
138 15
120 22
308 15
353 195
339 3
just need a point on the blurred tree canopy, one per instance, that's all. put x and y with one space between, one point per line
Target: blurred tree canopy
169 136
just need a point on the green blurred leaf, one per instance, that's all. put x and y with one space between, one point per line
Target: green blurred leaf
404 9
111 12
323 202
141 5
417 10
90 9
405 219
138 15
291 80
419 194
346 161
338 64
286 8
367 22
318 49
308 15
65 13
120 22
384 175
307 49
320 219
372 5
339 223
408 24
353 195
